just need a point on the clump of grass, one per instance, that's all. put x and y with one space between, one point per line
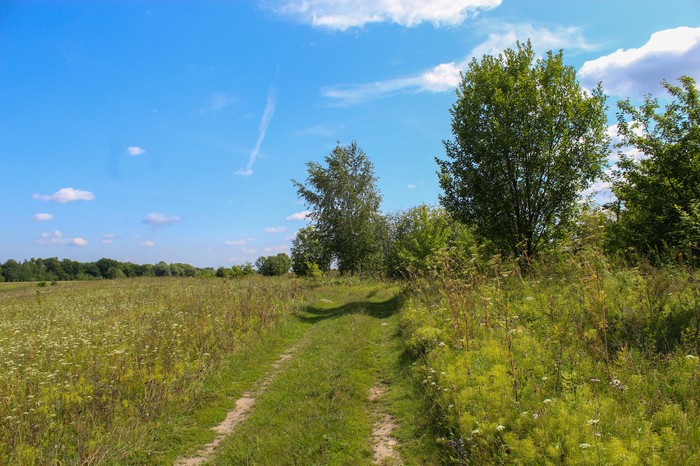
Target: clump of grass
578 361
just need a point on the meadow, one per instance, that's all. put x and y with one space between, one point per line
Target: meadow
90 369
580 361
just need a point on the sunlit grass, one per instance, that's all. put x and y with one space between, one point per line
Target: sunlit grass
577 362
83 364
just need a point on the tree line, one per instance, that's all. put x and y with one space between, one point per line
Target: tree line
528 140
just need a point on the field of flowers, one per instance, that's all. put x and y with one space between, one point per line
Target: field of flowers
83 364
577 362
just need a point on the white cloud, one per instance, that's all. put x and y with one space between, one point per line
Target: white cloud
303 215
446 76
346 14
411 186
238 242
66 195
78 242
135 151
43 217
107 238
248 251
276 249
668 54
158 219
56 237
275 230
148 244
262 130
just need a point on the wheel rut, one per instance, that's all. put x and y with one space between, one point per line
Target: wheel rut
235 417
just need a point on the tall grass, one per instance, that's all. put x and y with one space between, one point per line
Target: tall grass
82 365
579 362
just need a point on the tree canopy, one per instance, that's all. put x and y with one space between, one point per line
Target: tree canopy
658 187
344 200
527 140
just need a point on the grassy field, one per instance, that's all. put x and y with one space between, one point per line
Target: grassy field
578 362
139 371
91 369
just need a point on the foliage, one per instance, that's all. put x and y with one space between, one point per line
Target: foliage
658 187
273 265
578 362
344 200
88 368
528 139
308 252
415 235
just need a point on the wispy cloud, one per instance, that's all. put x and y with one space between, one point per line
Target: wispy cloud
238 242
275 230
667 54
446 76
135 151
343 15
262 130
317 130
56 237
66 195
148 244
159 219
107 238
219 101
276 249
43 217
303 215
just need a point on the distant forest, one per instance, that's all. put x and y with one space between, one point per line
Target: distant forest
53 269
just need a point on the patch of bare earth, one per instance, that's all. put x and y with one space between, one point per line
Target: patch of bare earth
384 443
235 417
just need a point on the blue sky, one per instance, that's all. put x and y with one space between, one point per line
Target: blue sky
170 130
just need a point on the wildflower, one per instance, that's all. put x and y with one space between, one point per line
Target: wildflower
595 380
547 401
544 379
584 445
535 416
592 422
476 432
500 428
691 356
441 344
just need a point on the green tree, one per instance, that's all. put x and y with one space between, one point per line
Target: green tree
273 265
658 190
344 200
307 250
162 269
527 140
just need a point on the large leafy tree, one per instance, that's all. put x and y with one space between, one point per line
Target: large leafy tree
658 187
344 200
527 140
